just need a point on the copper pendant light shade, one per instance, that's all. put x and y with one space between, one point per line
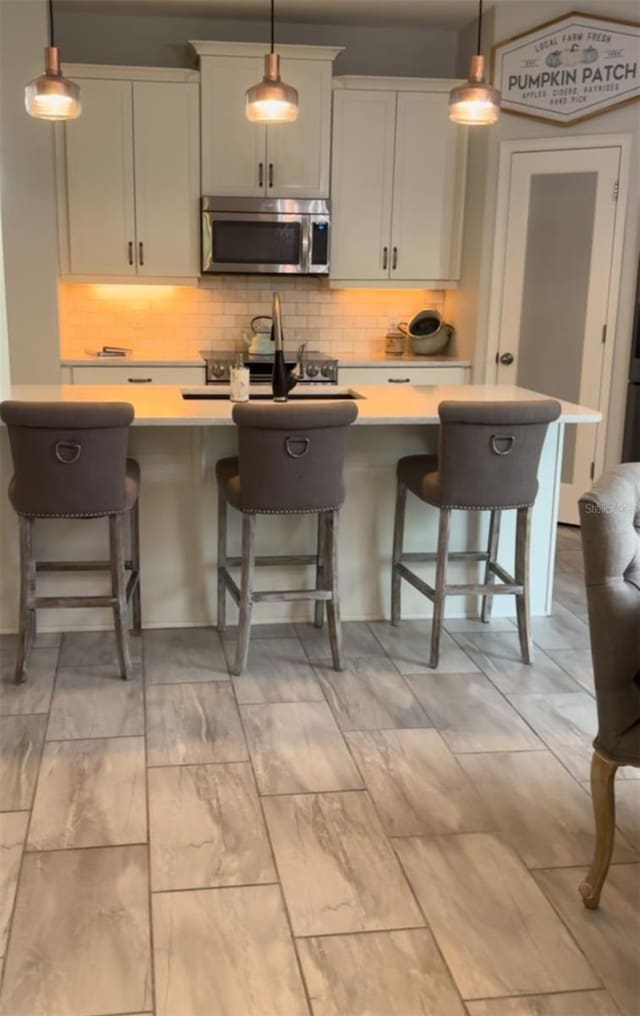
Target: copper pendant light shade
475 102
51 96
272 101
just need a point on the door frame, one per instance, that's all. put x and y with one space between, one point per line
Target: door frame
553 144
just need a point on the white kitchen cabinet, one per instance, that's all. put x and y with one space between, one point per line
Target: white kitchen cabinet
382 374
98 374
128 176
397 183
241 159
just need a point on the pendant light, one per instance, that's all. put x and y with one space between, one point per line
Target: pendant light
475 102
272 101
52 97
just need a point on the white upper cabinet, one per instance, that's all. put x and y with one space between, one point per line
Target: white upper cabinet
128 176
167 177
397 183
99 182
363 122
241 159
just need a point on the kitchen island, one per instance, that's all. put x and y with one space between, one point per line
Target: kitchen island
177 442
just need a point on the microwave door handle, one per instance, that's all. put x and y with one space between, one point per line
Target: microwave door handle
305 244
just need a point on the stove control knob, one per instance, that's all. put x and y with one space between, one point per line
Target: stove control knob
327 370
312 370
217 368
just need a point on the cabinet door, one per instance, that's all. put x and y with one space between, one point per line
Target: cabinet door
99 154
298 154
361 183
427 190
233 150
167 180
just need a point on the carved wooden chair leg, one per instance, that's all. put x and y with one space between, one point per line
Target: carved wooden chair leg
523 609
441 581
318 614
135 564
119 591
603 773
222 557
398 539
246 590
492 552
333 605
26 632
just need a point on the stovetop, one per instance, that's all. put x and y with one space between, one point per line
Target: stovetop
317 366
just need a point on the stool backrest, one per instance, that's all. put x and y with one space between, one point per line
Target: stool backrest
292 455
69 458
490 451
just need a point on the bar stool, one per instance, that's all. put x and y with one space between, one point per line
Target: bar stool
70 462
290 461
488 461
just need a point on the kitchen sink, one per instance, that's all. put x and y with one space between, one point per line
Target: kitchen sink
320 393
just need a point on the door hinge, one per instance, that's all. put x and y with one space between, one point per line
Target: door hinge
604 333
616 190
592 471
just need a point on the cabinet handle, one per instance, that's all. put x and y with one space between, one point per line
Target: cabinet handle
141 253
399 380
271 174
139 380
385 258
394 259
130 249
261 174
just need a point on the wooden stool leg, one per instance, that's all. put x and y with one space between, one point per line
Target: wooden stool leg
398 540
135 563
523 540
319 604
492 554
603 775
333 605
441 581
222 557
26 631
119 591
246 590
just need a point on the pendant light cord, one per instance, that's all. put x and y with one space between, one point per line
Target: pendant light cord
51 35
273 21
479 49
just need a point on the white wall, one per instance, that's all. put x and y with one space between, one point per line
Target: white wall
95 36
511 18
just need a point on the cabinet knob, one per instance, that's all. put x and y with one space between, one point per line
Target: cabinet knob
399 380
385 258
394 259
130 250
141 253
261 174
139 380
506 359
271 174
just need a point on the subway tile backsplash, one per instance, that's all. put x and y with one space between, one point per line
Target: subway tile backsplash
176 322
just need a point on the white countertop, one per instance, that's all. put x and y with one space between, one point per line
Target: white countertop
408 360
379 405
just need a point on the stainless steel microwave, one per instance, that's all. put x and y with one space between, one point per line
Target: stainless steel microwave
269 236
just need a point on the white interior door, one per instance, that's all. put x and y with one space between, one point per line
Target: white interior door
362 183
555 289
167 178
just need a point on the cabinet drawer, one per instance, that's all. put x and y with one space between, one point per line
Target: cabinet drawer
404 375
108 375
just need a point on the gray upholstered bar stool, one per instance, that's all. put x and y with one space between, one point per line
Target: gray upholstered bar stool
70 462
290 461
488 461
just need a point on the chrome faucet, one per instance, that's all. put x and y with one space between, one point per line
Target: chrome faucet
282 379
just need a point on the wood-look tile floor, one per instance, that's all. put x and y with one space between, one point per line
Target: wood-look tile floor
386 841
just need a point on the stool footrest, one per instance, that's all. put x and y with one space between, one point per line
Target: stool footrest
63 566
75 601
288 595
481 589
269 560
455 555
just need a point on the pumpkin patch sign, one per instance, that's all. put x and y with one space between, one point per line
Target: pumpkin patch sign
569 69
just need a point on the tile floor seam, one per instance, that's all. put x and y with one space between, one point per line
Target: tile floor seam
146 788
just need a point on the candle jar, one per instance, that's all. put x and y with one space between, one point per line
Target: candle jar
239 383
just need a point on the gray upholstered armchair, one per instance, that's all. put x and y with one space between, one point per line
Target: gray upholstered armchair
610 519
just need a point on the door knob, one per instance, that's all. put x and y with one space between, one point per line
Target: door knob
506 359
